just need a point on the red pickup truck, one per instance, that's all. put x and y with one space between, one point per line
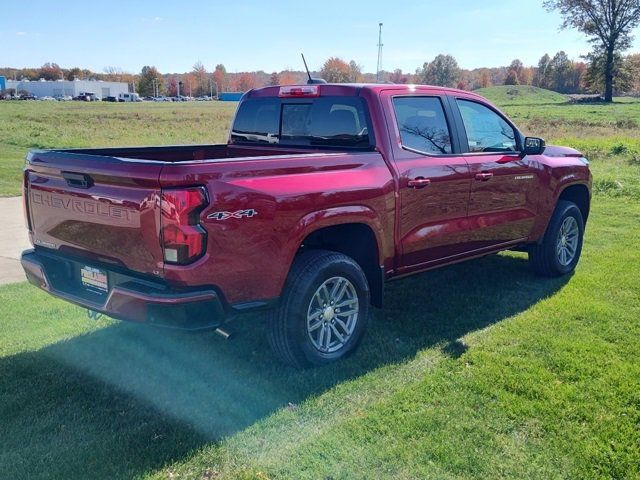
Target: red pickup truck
322 193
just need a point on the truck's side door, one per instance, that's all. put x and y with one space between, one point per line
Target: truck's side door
504 185
433 179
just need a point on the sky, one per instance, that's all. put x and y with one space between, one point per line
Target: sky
247 35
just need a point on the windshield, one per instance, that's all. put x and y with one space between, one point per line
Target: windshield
320 121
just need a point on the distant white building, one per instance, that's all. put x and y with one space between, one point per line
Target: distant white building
73 88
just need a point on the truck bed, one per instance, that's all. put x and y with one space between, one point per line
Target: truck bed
104 204
186 153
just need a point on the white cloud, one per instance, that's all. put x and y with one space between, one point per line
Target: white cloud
21 34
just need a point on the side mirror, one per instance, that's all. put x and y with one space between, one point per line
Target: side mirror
533 146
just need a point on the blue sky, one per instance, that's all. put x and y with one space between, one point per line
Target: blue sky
269 35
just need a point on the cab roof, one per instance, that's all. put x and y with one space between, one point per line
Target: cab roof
355 88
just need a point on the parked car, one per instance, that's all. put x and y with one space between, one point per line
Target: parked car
321 195
129 97
87 97
110 98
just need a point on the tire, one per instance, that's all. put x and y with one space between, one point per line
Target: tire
566 225
294 334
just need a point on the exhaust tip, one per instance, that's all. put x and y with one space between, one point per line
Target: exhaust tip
227 335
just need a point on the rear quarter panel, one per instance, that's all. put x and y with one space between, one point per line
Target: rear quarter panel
248 258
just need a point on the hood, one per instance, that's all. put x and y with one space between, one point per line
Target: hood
556 151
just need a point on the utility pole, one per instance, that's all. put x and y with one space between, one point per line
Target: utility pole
379 67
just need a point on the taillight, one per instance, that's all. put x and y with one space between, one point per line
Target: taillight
183 238
25 200
300 91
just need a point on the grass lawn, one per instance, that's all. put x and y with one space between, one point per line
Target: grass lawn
480 370
25 125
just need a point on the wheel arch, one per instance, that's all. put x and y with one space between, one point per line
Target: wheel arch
354 232
358 241
577 193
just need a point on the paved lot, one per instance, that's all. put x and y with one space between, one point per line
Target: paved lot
13 240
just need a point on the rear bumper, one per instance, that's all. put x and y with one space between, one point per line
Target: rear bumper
129 297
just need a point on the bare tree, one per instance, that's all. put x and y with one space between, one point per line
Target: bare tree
437 137
607 24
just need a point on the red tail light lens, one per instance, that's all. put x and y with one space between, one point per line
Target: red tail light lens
183 238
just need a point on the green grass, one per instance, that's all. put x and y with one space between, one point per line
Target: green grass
505 375
480 370
25 125
521 95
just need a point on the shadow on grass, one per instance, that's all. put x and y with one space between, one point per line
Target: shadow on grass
126 399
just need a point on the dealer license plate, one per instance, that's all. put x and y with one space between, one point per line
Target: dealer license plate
94 279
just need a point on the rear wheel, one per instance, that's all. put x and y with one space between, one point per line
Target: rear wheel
559 251
324 310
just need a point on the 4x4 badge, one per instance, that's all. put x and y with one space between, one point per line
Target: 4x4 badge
248 213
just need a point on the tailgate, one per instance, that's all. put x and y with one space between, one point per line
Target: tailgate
103 208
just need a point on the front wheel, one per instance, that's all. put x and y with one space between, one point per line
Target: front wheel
324 311
559 251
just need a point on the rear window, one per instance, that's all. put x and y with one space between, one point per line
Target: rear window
422 124
322 121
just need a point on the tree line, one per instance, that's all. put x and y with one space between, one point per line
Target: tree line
607 24
558 72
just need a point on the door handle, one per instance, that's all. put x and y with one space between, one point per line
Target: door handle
78 180
484 176
419 182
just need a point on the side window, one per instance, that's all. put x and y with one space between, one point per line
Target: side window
422 124
486 130
259 118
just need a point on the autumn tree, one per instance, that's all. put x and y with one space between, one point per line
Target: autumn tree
150 81
220 77
543 75
484 79
50 71
526 76
594 75
274 79
517 66
512 78
189 84
443 71
172 86
244 81
398 77
336 70
633 62
289 78
75 73
355 71
561 71
607 24
201 79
